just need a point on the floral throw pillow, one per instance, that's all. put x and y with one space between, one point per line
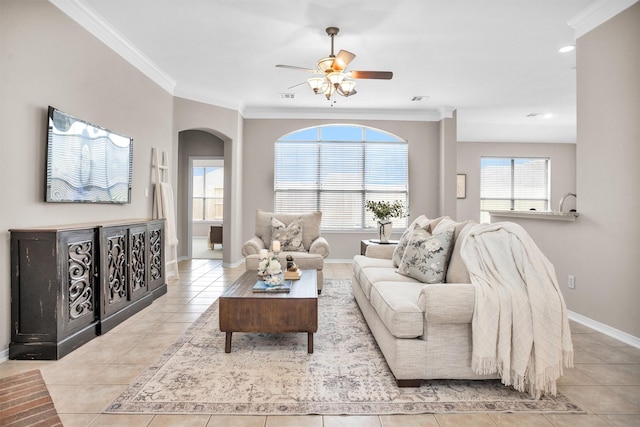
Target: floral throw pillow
417 224
426 256
290 236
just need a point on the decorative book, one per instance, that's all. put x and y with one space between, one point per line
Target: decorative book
261 286
292 275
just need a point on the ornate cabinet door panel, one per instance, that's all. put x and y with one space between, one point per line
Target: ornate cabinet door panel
137 261
114 269
80 287
156 255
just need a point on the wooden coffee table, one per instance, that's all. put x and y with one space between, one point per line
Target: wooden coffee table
242 310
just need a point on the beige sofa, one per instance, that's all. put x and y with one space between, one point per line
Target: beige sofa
423 330
312 252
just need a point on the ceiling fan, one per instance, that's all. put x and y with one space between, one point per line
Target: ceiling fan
335 78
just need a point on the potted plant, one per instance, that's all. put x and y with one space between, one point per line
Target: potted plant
383 211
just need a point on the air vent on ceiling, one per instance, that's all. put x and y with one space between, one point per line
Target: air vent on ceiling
540 115
419 98
287 95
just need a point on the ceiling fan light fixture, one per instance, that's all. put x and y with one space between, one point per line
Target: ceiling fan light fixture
316 84
334 75
326 64
347 86
336 78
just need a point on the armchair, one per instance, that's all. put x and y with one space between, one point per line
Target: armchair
309 254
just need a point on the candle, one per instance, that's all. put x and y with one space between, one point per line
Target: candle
276 246
263 253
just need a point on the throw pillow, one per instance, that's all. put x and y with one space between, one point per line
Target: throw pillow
290 236
417 224
426 256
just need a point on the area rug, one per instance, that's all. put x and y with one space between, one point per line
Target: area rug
270 374
25 401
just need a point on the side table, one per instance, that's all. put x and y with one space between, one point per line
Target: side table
368 242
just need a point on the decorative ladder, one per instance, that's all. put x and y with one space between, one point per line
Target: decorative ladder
163 207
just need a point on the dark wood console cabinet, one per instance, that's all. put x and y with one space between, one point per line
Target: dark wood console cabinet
72 283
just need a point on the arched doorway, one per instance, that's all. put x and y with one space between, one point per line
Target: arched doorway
200 156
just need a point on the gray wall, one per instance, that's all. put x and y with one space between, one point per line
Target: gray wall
424 172
47 59
607 237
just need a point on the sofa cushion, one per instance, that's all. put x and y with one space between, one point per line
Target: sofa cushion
368 271
289 236
421 222
397 305
427 256
310 225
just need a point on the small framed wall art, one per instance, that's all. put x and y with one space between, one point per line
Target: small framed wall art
461 186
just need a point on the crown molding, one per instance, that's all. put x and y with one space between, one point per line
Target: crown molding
337 113
597 14
446 112
211 98
93 23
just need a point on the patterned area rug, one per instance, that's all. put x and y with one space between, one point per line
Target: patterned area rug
273 374
25 401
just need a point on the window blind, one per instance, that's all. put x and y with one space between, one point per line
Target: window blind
513 183
335 169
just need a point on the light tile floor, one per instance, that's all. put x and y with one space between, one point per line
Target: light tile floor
605 380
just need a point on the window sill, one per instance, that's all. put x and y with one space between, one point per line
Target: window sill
546 215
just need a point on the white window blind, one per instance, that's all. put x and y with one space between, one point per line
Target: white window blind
513 183
335 169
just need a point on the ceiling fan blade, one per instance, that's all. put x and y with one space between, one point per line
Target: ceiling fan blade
343 59
299 84
383 75
293 67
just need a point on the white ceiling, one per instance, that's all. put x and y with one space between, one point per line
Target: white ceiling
494 61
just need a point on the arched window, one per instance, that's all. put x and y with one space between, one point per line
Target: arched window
335 169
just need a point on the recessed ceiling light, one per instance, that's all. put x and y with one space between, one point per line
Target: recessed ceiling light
565 49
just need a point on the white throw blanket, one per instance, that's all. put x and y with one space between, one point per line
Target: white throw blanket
165 209
520 326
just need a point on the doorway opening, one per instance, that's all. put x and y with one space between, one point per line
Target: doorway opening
206 206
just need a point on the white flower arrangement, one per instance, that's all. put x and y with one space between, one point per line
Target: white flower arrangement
271 269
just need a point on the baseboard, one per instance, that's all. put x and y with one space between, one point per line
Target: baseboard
338 261
605 329
233 264
4 355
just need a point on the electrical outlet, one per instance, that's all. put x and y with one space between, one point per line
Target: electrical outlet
572 282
